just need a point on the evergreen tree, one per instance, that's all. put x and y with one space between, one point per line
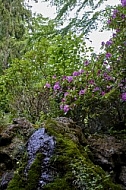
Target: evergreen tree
81 16
14 16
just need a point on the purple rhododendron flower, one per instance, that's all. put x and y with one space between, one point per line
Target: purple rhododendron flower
114 35
69 78
123 3
99 72
105 74
103 43
107 77
61 106
122 16
47 85
82 92
66 108
56 86
81 71
113 16
66 94
108 43
108 55
115 13
105 63
96 89
108 87
91 81
76 73
54 77
109 21
102 93
86 62
64 77
63 100
123 96
117 30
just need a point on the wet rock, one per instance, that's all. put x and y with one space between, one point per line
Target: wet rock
41 142
2 168
13 139
122 175
110 153
68 127
36 171
6 179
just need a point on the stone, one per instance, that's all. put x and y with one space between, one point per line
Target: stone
13 140
122 175
6 178
109 152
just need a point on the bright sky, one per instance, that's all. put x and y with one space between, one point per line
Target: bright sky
96 37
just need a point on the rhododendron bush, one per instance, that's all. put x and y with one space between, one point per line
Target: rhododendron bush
98 87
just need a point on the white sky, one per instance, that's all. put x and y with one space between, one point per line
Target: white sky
96 37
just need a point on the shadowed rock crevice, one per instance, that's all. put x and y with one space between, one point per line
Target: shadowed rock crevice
109 152
4 158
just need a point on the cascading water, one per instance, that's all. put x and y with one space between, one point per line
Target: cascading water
41 142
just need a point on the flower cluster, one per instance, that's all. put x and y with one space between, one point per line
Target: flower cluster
123 3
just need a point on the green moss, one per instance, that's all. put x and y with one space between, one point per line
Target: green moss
110 185
34 173
73 164
19 182
16 183
59 184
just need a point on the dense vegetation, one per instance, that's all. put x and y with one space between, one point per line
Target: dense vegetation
46 73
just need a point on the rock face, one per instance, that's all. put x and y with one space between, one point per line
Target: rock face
41 142
12 144
109 152
57 156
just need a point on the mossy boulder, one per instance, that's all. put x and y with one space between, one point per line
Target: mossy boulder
13 139
71 163
29 182
109 152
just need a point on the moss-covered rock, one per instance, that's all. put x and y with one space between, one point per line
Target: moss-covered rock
71 163
74 168
21 182
34 173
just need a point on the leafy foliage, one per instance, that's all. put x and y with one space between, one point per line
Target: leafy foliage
56 77
49 54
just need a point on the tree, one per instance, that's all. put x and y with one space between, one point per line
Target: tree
48 54
14 18
85 14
